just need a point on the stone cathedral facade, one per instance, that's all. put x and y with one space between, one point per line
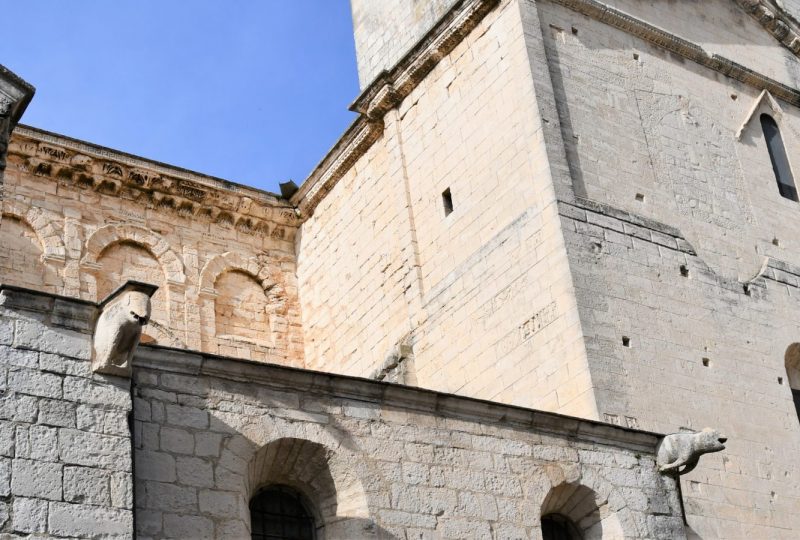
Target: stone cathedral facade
560 239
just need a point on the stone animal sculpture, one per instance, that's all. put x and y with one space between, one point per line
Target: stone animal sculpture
684 450
119 328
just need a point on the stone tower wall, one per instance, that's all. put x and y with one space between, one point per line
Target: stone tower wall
482 295
384 31
80 220
684 255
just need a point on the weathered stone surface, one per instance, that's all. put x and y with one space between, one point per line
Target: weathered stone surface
29 515
79 520
36 479
94 450
86 486
34 336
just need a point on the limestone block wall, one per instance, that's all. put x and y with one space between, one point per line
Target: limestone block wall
672 344
685 284
482 294
81 220
65 444
376 460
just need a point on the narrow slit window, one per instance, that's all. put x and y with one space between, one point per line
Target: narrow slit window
447 202
777 155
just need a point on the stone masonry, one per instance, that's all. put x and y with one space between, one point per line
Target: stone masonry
377 460
560 205
66 465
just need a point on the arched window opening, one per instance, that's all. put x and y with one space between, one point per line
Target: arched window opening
778 157
792 360
280 513
558 527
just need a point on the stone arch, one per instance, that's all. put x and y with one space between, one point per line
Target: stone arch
584 498
230 261
262 343
53 249
316 471
171 281
106 236
317 460
23 263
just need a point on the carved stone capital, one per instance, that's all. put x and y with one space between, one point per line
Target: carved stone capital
119 326
678 453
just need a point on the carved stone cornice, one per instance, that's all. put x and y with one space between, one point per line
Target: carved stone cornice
351 146
386 92
154 185
391 87
691 51
15 94
775 20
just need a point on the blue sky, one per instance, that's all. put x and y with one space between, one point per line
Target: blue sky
254 91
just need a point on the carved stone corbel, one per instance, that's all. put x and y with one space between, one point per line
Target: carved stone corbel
119 326
678 453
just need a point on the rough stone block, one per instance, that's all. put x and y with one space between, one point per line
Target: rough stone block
187 416
219 503
195 472
86 486
177 440
102 420
53 412
36 479
65 366
29 515
18 357
38 443
171 498
177 526
78 520
94 449
121 490
97 392
5 477
34 382
37 337
158 466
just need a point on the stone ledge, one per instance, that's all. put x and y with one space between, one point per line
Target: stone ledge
303 381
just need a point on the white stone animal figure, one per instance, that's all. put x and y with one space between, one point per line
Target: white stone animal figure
684 450
118 330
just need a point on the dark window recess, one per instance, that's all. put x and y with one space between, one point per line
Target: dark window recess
558 527
777 155
796 396
278 512
447 201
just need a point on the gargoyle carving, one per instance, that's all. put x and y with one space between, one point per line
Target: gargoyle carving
119 328
684 450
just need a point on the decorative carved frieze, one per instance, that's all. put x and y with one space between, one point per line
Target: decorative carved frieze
776 21
158 187
665 40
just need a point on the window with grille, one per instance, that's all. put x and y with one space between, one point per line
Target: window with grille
279 513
